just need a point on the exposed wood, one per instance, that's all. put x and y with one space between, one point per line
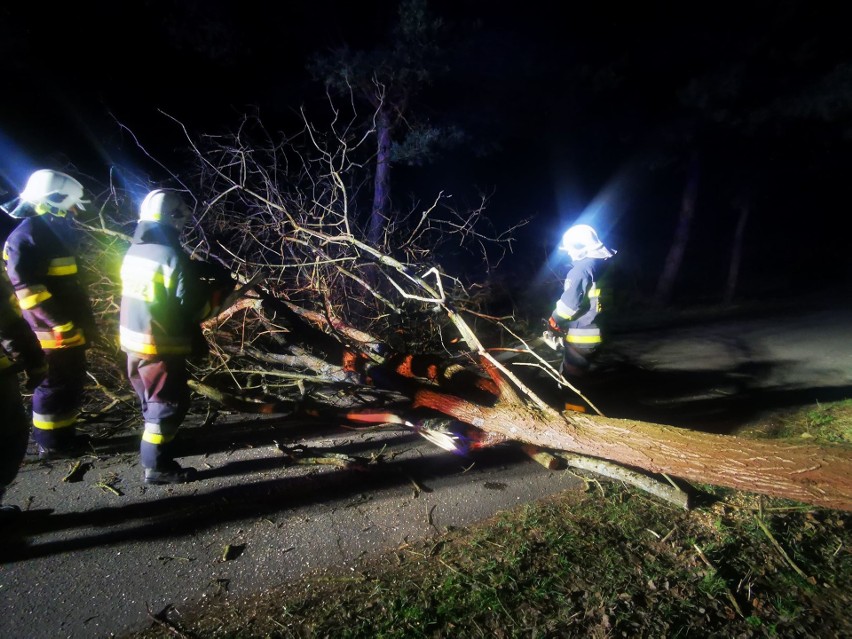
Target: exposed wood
301 360
543 457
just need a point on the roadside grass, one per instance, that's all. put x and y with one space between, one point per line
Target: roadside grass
828 422
608 562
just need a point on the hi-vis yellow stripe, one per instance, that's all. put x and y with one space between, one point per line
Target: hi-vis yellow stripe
54 422
153 438
43 208
144 344
62 266
32 296
156 438
564 311
153 434
583 339
583 336
61 339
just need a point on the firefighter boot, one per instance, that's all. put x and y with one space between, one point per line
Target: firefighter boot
77 446
170 473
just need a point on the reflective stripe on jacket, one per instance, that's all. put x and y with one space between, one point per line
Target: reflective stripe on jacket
16 337
42 268
162 297
580 302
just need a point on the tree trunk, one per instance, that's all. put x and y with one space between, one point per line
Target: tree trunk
671 268
808 473
736 252
503 409
381 182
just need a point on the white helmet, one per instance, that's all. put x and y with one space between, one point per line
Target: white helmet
581 241
54 189
166 207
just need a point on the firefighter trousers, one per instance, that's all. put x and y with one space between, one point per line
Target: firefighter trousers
57 399
163 392
14 429
576 360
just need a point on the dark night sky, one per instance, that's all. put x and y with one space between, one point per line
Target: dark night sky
588 106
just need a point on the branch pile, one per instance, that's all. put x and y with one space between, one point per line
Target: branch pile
381 333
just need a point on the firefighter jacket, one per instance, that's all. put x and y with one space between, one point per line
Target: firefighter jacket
164 297
41 262
578 307
18 343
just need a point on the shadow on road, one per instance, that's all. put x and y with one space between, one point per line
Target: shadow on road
715 399
180 515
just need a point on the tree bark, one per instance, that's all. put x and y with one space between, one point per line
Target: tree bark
736 252
381 181
671 268
808 473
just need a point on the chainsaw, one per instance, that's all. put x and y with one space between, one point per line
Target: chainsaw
553 335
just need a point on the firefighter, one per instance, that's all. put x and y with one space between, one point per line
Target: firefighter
165 297
19 351
40 255
576 311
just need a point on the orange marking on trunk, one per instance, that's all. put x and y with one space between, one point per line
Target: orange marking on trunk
404 367
352 361
374 418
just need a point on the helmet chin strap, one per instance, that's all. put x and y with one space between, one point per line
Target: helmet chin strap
45 209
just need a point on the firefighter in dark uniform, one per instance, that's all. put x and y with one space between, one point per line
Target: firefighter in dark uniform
40 255
165 297
19 351
576 310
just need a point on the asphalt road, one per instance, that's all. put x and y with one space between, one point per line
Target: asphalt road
91 557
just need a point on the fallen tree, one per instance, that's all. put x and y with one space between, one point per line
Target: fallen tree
379 332
507 411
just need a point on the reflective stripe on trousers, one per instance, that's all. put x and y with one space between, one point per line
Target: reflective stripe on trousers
56 401
581 337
